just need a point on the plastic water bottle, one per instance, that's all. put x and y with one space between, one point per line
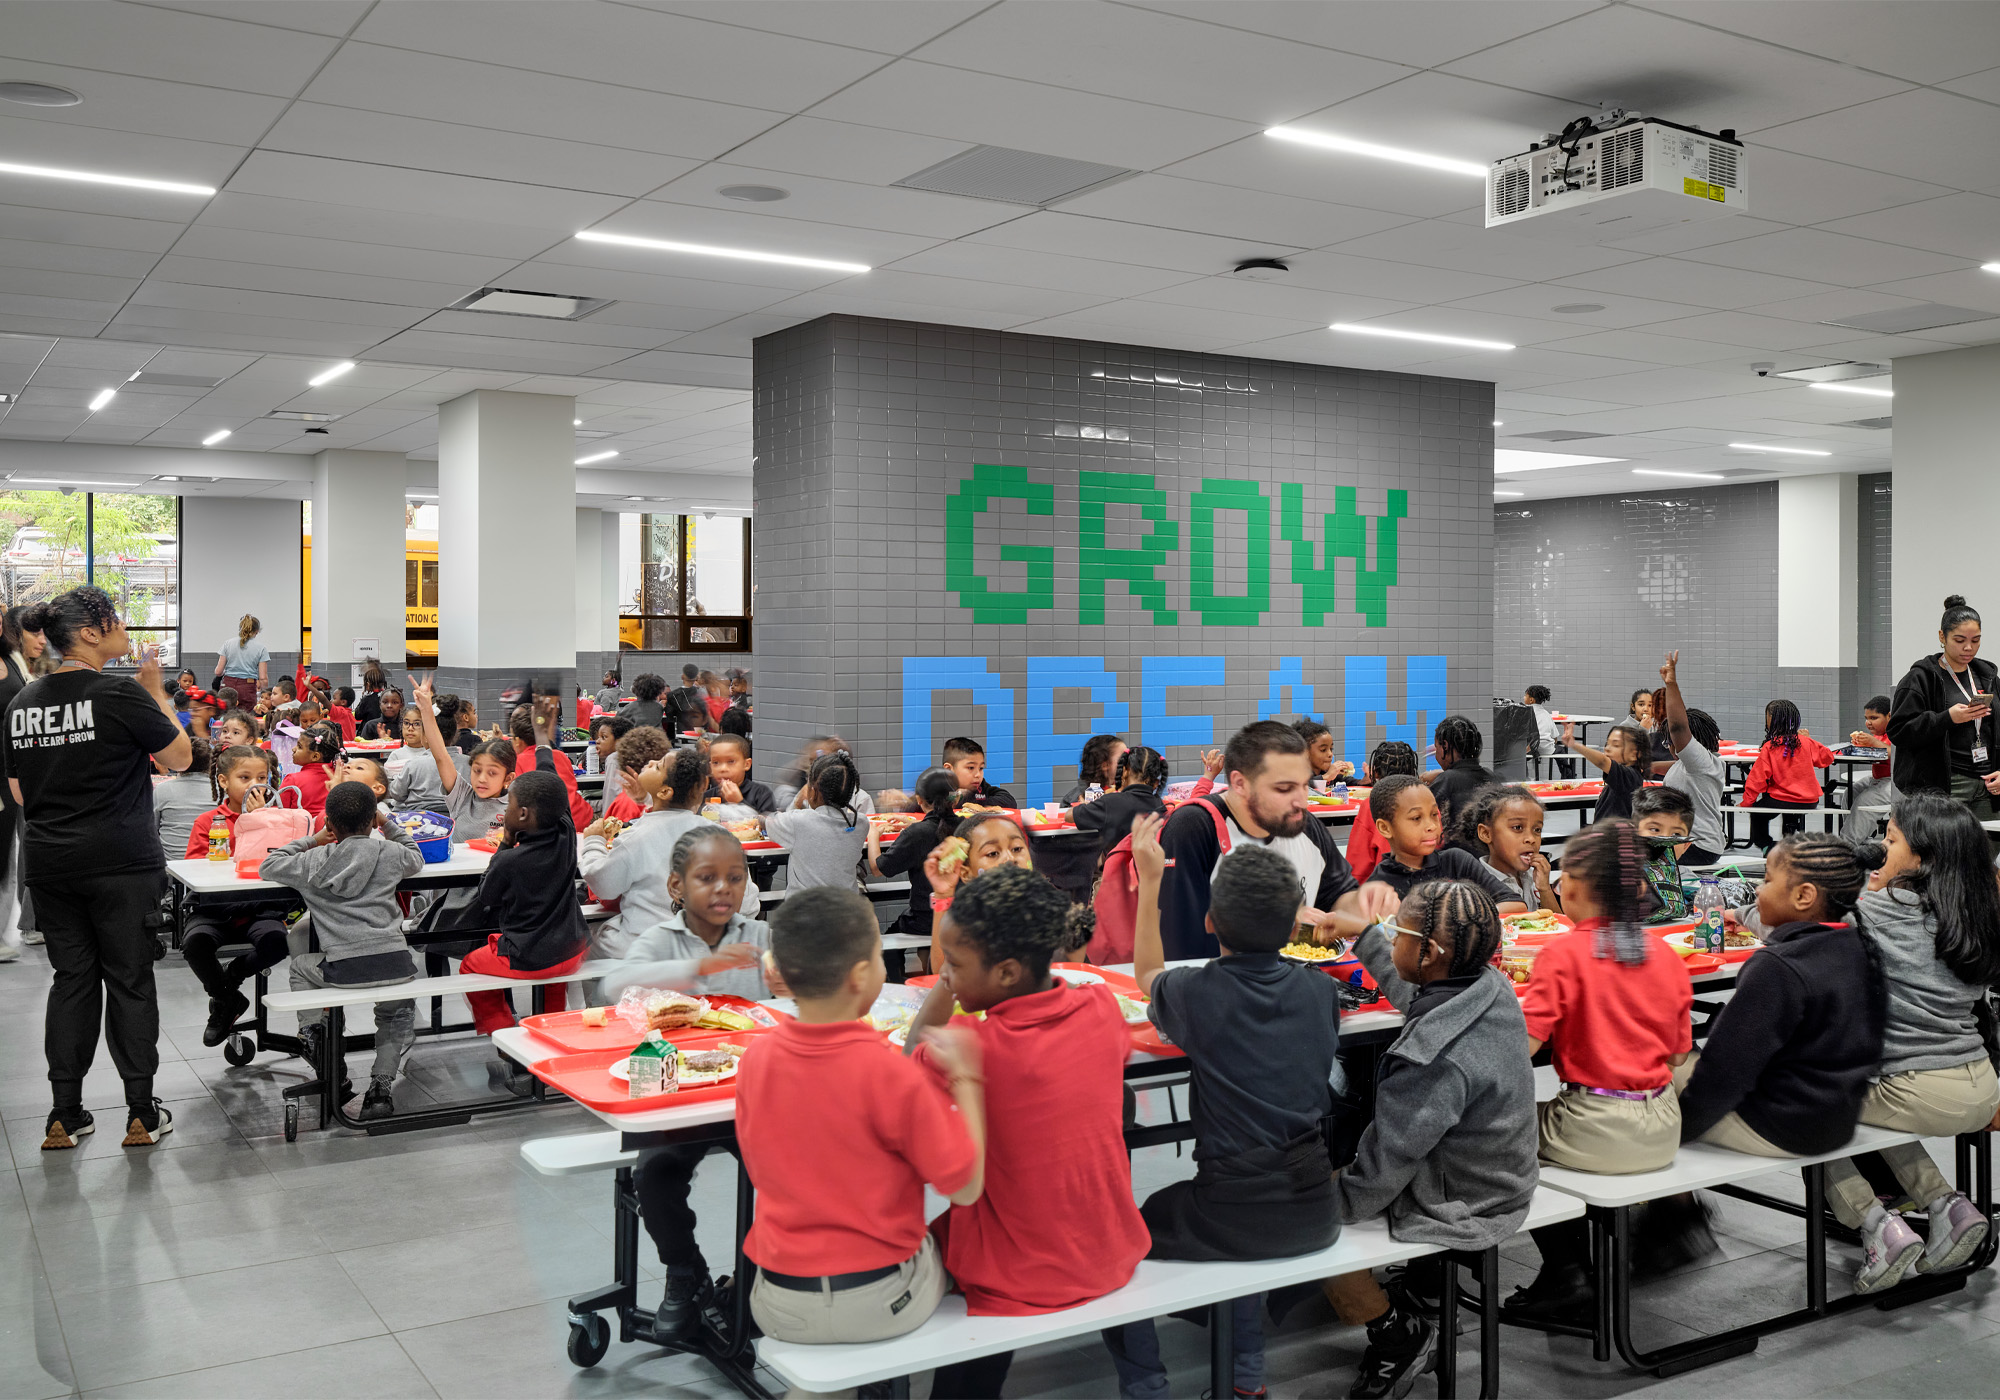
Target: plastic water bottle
1708 932
590 760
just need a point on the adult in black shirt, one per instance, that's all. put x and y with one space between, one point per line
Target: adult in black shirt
645 711
1944 739
1458 743
18 647
687 706
78 745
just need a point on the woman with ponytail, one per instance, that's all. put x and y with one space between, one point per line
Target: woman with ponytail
1942 724
246 662
1611 1001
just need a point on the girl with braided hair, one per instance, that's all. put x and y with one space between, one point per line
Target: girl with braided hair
1057 1224
1611 1002
826 833
1454 1103
1785 773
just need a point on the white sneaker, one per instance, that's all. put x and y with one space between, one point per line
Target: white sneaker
9 953
1889 1249
32 937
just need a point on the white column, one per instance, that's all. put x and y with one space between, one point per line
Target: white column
596 584
1947 464
1817 553
506 484
239 554
358 553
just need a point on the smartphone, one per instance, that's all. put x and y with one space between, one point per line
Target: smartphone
1982 697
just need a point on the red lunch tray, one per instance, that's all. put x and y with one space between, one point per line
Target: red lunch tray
587 1079
565 1029
1144 1037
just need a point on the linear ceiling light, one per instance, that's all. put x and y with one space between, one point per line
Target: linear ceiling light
1351 329
327 376
1508 495
1855 389
215 437
1790 451
708 251
1507 459
1989 267
595 457
69 481
104 396
1691 476
1326 140
91 177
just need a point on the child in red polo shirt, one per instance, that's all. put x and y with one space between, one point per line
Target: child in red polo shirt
840 1133
1057 1225
1611 1001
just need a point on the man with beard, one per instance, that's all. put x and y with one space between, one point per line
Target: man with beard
1269 777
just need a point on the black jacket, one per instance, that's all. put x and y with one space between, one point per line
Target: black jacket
1920 730
529 894
1111 816
1794 1048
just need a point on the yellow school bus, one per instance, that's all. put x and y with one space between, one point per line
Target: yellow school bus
420 601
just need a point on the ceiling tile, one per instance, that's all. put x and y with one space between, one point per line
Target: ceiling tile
1164 201
1984 85
628 47
1540 299
82 286
164 44
335 256
324 310
869 155
842 202
885 26
1750 333
1145 56
307 218
1423 37
1825 257
1049 231
1966 287
342 133
989 262
122 102
1963 225
494 352
332 17
1924 41
1922 134
1444 243
1665 67
1693 284
1339 270
353 184
1698 233
998 111
347 286
591 331
679 367
85 230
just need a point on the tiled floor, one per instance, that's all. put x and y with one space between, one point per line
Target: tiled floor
226 1262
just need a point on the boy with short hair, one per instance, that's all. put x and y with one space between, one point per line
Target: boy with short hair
1879 790
840 1134
729 775
1261 1036
354 923
1664 814
1411 830
966 760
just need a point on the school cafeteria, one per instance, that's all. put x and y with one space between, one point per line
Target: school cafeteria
1370 786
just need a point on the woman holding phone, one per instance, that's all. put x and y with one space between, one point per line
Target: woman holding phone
1942 723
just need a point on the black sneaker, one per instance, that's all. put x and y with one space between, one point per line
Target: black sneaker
1391 1373
223 1013
378 1103
680 1311
66 1125
312 1043
149 1123
1561 1293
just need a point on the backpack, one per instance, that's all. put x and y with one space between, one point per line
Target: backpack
263 831
1115 899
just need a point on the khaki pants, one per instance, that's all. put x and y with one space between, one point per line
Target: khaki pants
1730 1130
1611 1137
1936 1102
889 1307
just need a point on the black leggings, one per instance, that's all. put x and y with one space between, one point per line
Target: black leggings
1760 827
102 939
263 930
661 1181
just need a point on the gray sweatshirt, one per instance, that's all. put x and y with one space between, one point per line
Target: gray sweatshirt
667 955
1450 1155
1930 1024
177 804
349 888
825 848
634 871
415 784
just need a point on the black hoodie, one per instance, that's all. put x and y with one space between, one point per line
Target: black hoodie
1921 730
529 893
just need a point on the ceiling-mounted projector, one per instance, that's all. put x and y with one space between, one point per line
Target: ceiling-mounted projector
1606 178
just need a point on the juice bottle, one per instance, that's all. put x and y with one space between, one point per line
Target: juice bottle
1708 931
654 1067
218 840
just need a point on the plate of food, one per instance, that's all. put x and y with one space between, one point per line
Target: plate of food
894 823
1133 1008
1734 940
1541 921
1075 976
1311 953
698 1068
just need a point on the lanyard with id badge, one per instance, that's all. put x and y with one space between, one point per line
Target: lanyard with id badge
1972 697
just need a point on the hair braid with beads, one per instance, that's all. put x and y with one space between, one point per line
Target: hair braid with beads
1609 859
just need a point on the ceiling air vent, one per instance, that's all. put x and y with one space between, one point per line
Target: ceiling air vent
291 416
1559 435
1904 319
1013 177
498 301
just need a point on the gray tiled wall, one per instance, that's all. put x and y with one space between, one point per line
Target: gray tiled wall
1590 591
865 429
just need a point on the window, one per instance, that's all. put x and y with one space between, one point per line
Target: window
685 583
128 545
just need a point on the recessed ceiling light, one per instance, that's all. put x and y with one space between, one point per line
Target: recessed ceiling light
327 376
707 251
634 498
1352 329
1508 459
104 396
1791 451
754 194
1855 389
69 481
576 422
1989 267
1576 308
1690 476
91 177
1326 140
38 94
595 457
1498 424
1508 495
215 437
293 415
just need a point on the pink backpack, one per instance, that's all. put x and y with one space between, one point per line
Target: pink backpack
261 832
1116 898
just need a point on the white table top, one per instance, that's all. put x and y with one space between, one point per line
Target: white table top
219 876
1566 717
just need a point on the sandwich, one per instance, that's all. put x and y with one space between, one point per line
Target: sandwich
951 853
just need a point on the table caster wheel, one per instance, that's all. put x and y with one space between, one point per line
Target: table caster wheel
291 1120
589 1339
239 1050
